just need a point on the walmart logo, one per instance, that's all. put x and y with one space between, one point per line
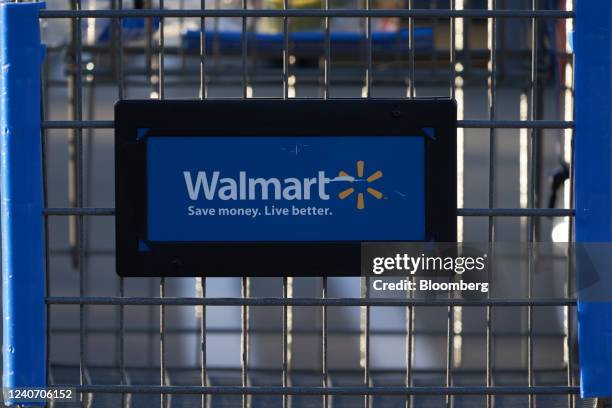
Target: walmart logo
212 185
360 196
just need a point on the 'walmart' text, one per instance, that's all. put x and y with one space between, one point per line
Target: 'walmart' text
248 188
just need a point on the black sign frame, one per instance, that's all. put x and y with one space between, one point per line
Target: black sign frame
341 117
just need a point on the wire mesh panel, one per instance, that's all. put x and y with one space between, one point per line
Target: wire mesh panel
305 342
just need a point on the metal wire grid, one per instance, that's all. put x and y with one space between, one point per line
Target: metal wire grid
77 213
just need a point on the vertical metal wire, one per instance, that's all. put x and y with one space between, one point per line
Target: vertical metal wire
569 152
526 236
365 288
369 72
161 54
452 53
492 34
451 310
118 28
203 87
245 85
285 346
530 314
77 147
245 340
326 96
74 110
285 52
449 352
409 347
203 342
324 342
492 133
124 397
569 311
162 343
148 50
532 192
287 282
45 116
89 145
524 165
365 338
162 281
458 36
327 63
412 54
203 348
245 280
72 222
149 65
88 166
458 68
410 312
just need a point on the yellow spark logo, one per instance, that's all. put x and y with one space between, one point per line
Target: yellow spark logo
373 192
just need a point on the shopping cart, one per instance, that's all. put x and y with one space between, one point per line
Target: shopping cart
284 341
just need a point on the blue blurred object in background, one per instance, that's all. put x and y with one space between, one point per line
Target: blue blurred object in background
310 43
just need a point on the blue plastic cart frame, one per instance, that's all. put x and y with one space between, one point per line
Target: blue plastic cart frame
23 266
593 161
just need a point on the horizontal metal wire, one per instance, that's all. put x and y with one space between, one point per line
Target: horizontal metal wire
78 124
464 212
79 211
186 301
472 124
339 390
390 72
308 371
170 49
515 124
423 13
178 331
515 212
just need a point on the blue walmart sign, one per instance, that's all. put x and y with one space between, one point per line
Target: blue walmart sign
285 189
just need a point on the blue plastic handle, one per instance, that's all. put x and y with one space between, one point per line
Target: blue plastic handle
23 266
592 42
